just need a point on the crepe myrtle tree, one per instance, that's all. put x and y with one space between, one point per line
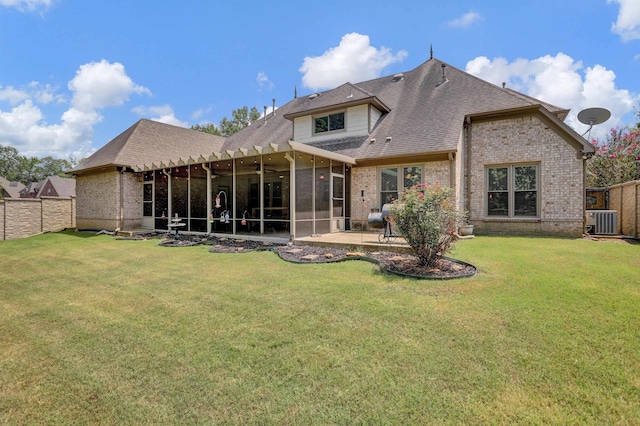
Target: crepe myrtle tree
426 216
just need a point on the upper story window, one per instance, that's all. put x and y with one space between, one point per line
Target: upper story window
328 123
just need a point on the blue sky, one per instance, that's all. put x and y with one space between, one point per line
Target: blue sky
75 73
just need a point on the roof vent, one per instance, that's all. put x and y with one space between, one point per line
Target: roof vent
313 96
373 140
444 76
398 77
388 139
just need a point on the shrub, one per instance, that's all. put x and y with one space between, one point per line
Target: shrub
428 219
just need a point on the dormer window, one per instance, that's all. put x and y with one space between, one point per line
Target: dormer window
328 123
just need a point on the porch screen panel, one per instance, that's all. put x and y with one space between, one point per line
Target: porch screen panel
322 196
276 194
247 195
198 198
179 191
222 185
161 200
304 195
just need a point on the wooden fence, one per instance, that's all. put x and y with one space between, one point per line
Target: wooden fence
625 198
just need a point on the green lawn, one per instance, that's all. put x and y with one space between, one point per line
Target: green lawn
96 330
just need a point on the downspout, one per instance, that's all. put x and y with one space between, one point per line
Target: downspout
204 166
466 172
121 215
452 170
168 174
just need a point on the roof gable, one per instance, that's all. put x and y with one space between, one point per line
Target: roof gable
343 96
148 141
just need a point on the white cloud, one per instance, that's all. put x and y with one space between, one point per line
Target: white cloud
197 114
12 95
465 20
27 5
263 81
628 24
95 86
354 60
563 82
160 113
102 84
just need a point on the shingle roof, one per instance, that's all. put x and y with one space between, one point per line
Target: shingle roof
11 188
148 141
425 115
65 187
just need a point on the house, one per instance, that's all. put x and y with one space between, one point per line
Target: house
321 163
52 186
10 189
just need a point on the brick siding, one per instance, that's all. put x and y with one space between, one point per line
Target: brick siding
561 171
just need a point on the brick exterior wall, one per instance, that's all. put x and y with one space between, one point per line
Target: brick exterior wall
560 179
98 201
24 217
363 178
367 179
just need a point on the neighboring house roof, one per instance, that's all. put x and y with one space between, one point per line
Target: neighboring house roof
148 141
10 189
423 112
31 188
63 187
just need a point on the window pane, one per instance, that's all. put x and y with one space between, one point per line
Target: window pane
525 203
412 176
525 178
498 204
321 124
336 121
389 179
338 187
498 179
389 197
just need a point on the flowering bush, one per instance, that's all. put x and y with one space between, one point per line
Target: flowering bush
428 219
617 159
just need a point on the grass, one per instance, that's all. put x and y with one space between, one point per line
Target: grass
96 330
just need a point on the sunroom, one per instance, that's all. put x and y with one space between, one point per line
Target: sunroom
290 190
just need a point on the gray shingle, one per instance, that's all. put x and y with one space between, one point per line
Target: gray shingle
423 116
151 141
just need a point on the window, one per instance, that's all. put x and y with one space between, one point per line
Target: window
512 191
390 181
328 123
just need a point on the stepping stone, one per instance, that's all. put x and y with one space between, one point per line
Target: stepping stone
310 257
354 254
294 251
240 249
329 255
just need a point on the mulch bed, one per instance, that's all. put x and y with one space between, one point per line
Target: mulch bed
389 261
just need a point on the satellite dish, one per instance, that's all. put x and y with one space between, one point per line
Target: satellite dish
593 116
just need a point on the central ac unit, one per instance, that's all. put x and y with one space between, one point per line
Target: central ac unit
602 222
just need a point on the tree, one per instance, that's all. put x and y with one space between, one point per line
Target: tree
16 167
616 160
241 118
428 220
9 162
